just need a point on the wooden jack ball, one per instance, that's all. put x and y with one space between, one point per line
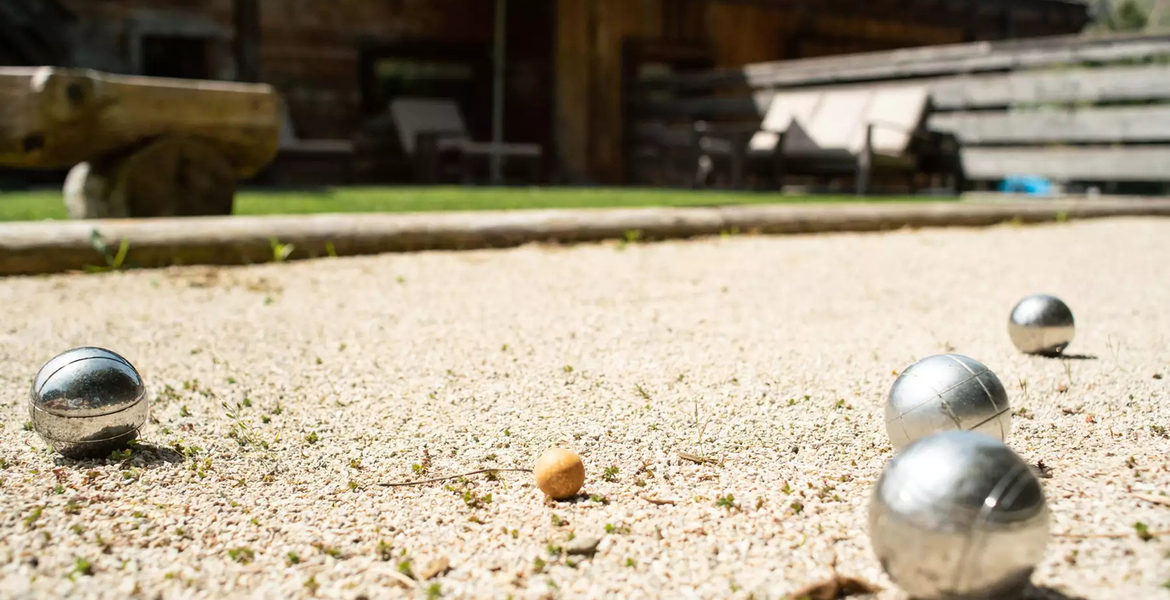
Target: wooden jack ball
559 473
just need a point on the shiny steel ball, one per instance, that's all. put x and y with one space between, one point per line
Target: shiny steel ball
946 392
1041 324
88 402
958 515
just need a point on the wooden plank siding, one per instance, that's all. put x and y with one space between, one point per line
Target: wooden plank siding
1074 163
1101 125
927 61
1112 84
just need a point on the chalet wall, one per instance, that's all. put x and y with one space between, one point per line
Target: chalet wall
309 48
589 81
736 32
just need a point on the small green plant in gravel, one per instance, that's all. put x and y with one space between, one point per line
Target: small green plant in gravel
630 563
28 426
280 252
114 260
292 558
617 529
1143 531
727 502
82 566
797 507
405 568
434 591
312 585
242 555
557 521
31 520
312 438
610 473
384 551
538 565
328 550
473 500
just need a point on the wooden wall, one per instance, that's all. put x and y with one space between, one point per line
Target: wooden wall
309 48
591 34
589 74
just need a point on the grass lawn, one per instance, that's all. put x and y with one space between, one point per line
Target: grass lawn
37 205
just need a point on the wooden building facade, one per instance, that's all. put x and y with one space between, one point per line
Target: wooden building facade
339 62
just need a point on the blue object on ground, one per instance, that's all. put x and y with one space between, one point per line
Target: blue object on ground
1026 184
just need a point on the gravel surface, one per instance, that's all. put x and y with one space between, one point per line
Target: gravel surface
771 356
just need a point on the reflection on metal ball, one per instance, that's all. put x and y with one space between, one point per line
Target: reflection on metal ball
1041 324
88 402
946 392
958 515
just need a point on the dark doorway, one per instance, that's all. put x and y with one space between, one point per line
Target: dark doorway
179 57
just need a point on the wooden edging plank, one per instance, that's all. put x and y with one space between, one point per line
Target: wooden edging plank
57 246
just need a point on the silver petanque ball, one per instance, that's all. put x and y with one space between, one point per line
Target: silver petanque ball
1041 324
958 515
946 392
88 402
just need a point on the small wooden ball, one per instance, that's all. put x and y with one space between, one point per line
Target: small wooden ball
559 473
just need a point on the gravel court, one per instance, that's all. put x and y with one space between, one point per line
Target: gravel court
777 351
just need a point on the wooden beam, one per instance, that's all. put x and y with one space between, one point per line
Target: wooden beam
1109 84
1134 163
926 61
573 75
246 42
1127 124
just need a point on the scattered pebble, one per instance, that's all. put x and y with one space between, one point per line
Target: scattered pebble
583 546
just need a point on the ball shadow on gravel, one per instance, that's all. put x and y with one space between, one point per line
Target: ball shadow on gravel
1043 592
1069 356
150 456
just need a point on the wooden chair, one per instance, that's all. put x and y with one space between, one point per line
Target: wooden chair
314 161
844 131
430 129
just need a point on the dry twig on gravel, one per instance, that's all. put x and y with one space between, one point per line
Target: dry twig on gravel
438 479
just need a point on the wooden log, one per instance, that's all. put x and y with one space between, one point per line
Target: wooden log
57 118
46 247
168 177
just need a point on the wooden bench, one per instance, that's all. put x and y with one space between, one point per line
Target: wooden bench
853 131
1071 108
1089 125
